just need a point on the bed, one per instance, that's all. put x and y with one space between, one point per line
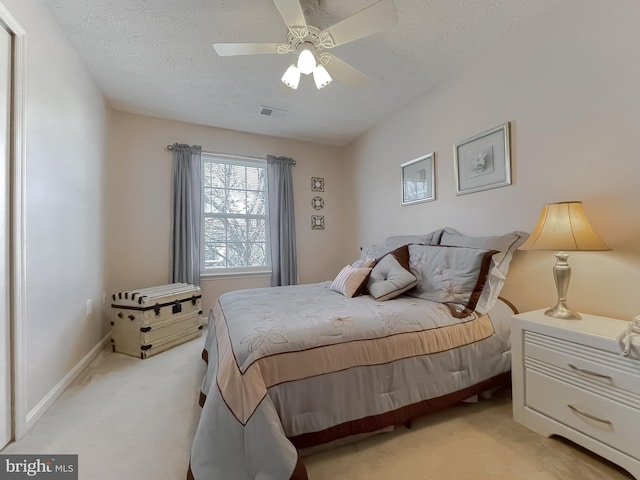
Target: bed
411 327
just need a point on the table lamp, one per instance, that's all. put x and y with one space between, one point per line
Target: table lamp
563 227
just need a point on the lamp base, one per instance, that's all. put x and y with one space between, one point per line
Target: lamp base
562 274
561 311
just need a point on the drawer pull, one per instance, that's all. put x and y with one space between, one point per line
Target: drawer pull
589 372
589 416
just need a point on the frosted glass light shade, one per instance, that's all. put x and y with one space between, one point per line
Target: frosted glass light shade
321 77
563 226
291 77
306 61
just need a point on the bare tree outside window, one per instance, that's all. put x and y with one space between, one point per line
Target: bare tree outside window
235 221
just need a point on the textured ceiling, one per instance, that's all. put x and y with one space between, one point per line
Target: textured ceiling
155 57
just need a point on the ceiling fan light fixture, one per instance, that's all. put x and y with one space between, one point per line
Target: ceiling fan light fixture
306 61
291 77
321 77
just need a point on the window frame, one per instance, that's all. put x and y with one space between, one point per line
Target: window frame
219 158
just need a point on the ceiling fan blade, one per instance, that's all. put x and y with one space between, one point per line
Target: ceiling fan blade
373 19
228 49
292 14
342 71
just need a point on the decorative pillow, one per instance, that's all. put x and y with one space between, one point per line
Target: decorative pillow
401 254
364 263
370 253
432 238
349 280
454 276
504 244
389 279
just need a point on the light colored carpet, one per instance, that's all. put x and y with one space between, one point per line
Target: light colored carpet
134 419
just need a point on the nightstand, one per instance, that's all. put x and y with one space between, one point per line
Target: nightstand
569 379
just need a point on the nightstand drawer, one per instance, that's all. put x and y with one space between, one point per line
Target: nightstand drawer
585 363
610 422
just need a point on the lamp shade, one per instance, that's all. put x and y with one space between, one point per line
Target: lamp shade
321 77
291 77
306 61
563 226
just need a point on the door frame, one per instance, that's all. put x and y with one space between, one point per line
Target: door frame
17 255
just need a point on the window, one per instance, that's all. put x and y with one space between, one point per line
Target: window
234 215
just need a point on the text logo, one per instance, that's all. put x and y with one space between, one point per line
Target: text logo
49 467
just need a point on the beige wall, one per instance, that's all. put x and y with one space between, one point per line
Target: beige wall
67 120
139 180
569 86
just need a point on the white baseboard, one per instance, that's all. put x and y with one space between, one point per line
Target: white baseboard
43 405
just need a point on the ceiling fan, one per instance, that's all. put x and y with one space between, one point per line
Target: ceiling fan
309 43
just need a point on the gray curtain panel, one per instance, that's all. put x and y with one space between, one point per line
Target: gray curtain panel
282 227
186 205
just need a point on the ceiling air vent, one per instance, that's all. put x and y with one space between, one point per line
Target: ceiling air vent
272 111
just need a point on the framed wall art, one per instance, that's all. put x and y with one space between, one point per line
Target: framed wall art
418 180
483 162
317 184
317 222
317 203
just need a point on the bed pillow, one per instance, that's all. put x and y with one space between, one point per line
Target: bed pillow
454 276
349 280
504 244
432 238
370 253
389 279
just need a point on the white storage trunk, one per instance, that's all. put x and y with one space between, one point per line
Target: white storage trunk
152 320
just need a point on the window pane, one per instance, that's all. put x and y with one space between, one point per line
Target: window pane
237 255
256 179
237 230
214 255
237 176
214 174
214 200
215 230
257 255
256 203
237 201
257 230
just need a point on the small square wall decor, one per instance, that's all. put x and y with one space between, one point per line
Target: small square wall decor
317 222
317 203
317 184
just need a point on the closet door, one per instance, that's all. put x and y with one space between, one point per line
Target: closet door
5 232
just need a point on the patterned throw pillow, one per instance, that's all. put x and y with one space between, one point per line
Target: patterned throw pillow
453 276
505 244
389 279
401 254
349 280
